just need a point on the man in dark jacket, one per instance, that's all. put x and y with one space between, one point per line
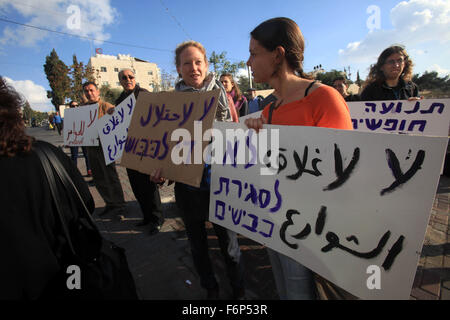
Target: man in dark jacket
145 191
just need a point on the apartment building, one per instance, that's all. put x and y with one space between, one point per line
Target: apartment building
106 68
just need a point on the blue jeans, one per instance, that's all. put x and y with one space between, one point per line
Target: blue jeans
293 280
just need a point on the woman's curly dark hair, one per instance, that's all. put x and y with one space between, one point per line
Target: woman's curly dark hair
13 139
377 75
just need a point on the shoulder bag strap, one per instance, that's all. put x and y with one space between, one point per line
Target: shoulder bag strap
67 181
56 195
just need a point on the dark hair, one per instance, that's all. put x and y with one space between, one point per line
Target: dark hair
13 139
71 103
377 75
237 91
340 78
89 83
283 32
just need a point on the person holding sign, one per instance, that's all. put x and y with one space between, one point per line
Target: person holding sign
192 67
74 149
145 191
105 176
390 77
276 58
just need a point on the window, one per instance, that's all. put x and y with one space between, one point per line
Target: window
150 73
118 84
105 83
116 69
103 69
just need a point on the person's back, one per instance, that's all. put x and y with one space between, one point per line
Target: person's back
29 234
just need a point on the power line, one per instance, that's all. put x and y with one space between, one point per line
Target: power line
175 19
83 37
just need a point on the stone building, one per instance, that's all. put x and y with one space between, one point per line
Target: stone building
107 67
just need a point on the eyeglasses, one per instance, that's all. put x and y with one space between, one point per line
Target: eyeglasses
393 62
127 77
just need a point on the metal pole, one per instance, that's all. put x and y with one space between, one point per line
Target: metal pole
249 76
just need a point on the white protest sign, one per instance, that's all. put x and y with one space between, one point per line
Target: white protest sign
423 117
80 126
113 129
339 202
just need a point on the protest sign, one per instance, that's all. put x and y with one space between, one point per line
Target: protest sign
423 117
340 202
112 129
80 126
167 131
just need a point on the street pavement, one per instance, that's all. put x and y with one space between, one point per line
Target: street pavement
162 265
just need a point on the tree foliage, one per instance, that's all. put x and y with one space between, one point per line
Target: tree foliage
109 95
66 83
329 76
79 74
221 64
57 74
244 84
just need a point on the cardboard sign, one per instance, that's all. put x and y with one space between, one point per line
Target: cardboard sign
165 132
423 117
80 126
113 129
351 206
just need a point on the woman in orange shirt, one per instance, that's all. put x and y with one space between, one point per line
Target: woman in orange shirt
276 57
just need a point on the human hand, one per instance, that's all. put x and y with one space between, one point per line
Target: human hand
255 123
415 98
110 110
156 176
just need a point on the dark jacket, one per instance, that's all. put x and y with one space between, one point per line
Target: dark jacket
377 92
125 94
29 232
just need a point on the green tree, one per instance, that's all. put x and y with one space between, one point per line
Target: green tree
58 78
221 64
358 79
244 84
328 77
79 74
109 95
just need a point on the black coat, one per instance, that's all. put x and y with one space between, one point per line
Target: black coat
29 233
378 92
125 94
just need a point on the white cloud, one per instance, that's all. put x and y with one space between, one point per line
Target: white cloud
417 23
35 94
94 16
441 71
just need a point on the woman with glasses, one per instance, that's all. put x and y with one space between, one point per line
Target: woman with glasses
390 77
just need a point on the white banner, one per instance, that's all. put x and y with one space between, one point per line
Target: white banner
80 126
351 206
113 129
428 117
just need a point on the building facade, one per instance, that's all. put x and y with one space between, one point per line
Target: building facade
107 67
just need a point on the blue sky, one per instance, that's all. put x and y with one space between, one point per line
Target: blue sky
336 32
